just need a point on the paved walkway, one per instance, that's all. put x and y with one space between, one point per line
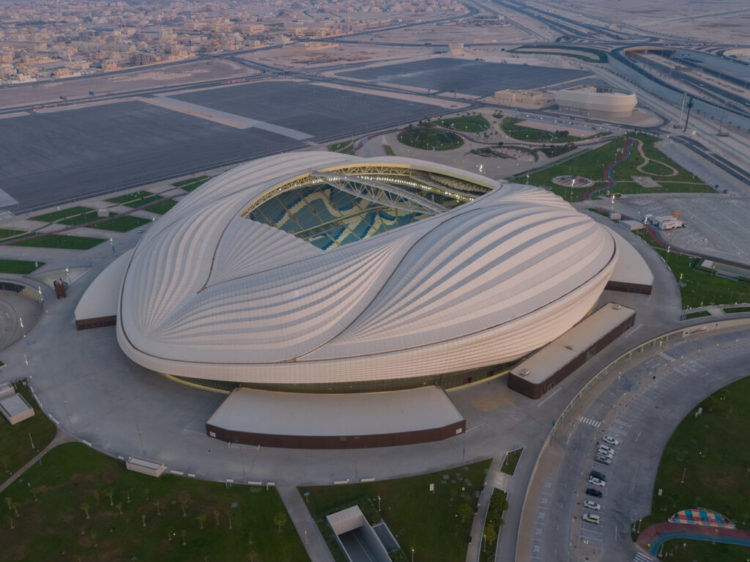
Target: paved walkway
312 538
654 535
60 438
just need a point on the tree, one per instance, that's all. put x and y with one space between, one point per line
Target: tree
465 511
85 508
201 520
490 534
280 520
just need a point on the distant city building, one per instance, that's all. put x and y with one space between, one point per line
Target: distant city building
594 101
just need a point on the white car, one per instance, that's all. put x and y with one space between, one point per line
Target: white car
605 449
603 460
610 440
591 504
591 518
597 481
605 453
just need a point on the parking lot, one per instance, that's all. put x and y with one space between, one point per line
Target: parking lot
477 78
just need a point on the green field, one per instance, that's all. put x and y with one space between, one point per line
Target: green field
706 463
60 241
66 215
436 524
123 223
702 551
19 266
88 506
16 440
428 137
736 309
699 287
191 184
466 123
137 199
161 207
498 505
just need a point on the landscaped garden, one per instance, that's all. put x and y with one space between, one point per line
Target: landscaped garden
512 128
78 504
669 176
498 505
435 523
706 465
429 137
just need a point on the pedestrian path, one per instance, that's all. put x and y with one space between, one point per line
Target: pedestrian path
590 421
60 438
312 538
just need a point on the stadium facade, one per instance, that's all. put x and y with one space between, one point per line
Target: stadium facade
318 270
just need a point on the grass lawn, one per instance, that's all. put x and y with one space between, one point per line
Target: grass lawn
71 214
135 200
698 314
7 234
703 551
498 505
346 147
19 266
436 525
15 443
511 461
191 184
429 137
708 451
161 207
122 223
466 123
78 504
737 309
697 286
60 241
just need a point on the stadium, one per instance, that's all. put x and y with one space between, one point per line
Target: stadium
324 271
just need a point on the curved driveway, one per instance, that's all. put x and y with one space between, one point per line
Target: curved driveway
640 404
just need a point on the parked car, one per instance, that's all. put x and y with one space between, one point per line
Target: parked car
591 504
591 518
597 481
593 492
606 449
610 440
603 460
597 474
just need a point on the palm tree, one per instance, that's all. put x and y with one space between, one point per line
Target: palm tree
85 507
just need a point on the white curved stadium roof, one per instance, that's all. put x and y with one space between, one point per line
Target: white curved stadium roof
213 295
